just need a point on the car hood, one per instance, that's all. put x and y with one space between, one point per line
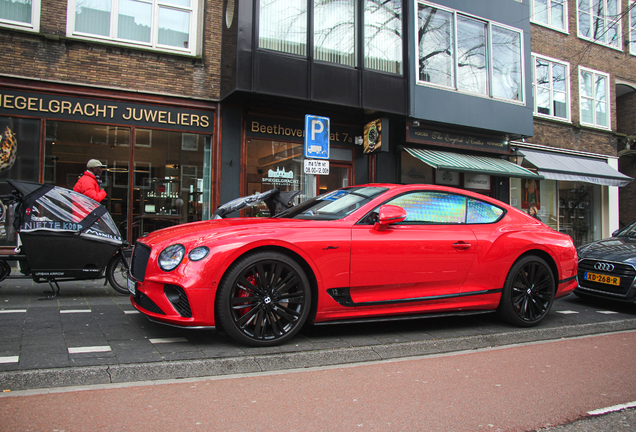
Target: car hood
617 249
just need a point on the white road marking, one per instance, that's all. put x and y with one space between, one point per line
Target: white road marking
613 408
607 312
89 349
75 311
567 312
13 311
131 312
167 340
12 359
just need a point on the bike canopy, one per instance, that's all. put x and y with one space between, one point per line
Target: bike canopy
52 208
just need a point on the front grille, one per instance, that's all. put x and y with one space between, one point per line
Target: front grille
145 302
179 301
624 271
141 254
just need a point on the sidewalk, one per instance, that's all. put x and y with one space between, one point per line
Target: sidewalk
90 334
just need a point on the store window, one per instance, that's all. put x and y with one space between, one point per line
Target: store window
550 13
594 97
551 86
169 25
278 164
21 14
453 53
170 172
600 21
19 150
573 208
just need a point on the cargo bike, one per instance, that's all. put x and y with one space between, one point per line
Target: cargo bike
62 236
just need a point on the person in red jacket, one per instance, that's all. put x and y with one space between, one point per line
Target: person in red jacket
88 184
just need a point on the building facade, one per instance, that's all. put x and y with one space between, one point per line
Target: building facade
192 103
102 80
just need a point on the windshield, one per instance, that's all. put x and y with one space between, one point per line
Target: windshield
628 231
334 205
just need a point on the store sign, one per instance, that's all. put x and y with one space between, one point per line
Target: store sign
289 130
448 178
316 167
428 136
477 181
280 177
17 103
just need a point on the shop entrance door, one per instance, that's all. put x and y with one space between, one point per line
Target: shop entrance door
339 176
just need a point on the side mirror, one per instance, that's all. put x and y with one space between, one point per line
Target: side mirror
389 214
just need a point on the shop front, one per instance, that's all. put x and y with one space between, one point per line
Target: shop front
477 163
578 194
158 153
274 150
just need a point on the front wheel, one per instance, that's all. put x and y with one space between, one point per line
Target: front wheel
528 292
264 299
117 271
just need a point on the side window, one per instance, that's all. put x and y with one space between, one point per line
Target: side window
481 212
432 207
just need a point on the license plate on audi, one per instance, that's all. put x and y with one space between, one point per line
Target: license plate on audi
605 279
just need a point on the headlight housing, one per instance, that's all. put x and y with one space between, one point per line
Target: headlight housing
198 253
171 257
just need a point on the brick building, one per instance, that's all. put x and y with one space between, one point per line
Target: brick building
79 82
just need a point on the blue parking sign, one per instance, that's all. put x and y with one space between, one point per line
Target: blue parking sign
316 137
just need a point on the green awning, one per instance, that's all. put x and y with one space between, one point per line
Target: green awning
448 161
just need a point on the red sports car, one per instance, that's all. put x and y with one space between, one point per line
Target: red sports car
370 252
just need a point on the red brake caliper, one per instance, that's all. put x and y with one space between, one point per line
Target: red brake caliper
243 293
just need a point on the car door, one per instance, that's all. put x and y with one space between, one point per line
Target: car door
425 258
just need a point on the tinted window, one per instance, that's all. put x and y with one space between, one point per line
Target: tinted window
333 205
432 207
482 212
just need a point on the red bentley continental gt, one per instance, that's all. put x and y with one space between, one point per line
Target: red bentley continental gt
370 252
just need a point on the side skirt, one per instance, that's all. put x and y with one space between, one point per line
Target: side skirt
403 317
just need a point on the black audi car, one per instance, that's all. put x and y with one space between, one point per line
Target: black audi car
607 268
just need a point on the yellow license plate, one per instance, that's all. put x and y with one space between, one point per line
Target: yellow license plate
595 277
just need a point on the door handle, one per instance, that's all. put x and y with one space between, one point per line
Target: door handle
461 245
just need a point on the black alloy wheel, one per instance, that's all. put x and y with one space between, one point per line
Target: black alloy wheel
264 299
528 292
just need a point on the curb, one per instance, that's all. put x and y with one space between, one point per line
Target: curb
123 373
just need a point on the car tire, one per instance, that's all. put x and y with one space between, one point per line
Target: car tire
528 292
264 299
117 272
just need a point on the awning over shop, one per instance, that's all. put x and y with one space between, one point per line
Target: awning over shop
554 166
448 161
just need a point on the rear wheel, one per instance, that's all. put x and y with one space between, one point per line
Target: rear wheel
117 272
528 292
264 299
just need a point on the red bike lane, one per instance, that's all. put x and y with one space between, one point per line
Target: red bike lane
513 388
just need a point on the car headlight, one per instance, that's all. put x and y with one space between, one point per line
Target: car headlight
198 253
171 257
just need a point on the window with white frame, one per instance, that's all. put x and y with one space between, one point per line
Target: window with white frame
168 25
551 87
550 13
22 14
383 35
594 98
632 28
600 21
469 54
